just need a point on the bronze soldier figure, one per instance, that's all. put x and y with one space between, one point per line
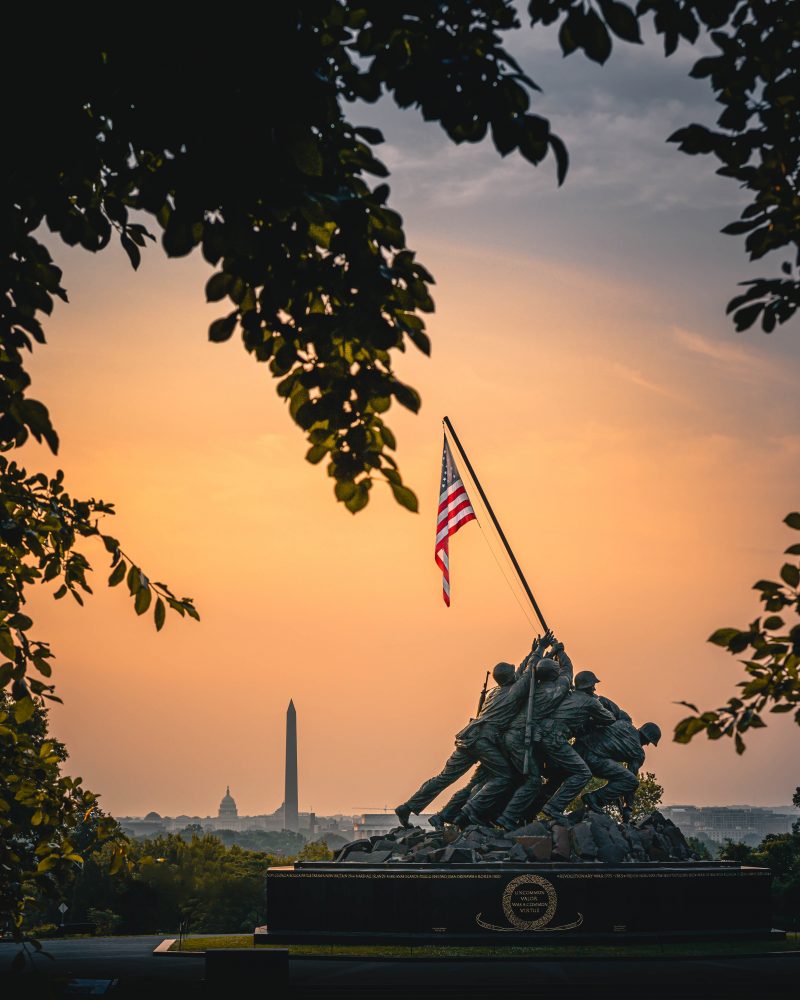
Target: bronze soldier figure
605 751
587 680
553 680
483 802
573 714
479 743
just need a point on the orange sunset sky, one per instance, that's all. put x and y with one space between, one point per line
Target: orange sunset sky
640 454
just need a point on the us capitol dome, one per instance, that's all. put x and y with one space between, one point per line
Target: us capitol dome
227 807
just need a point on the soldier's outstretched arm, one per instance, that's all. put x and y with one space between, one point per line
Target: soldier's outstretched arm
538 651
567 669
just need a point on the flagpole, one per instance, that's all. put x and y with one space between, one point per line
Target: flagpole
496 523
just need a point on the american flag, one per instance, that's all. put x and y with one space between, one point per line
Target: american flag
455 509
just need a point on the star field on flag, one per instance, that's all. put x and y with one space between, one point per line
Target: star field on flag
455 509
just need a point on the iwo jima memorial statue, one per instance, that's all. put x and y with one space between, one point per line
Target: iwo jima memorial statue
504 860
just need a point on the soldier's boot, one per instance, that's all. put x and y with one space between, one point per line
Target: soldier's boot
437 822
559 817
590 802
462 821
403 812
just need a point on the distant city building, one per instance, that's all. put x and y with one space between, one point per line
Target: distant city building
308 824
378 824
286 817
747 824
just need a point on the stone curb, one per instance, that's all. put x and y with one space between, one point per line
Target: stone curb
163 949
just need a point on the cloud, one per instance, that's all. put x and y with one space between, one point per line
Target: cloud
637 378
614 119
737 360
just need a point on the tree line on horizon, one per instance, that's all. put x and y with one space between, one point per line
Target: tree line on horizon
172 882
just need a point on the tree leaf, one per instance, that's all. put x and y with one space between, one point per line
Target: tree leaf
7 647
130 248
222 329
621 20
405 497
345 490
306 155
159 615
593 37
359 500
723 636
562 157
118 574
790 574
217 287
24 709
142 601
793 520
688 728
20 621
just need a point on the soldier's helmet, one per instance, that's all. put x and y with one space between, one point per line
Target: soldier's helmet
504 673
585 679
547 669
650 733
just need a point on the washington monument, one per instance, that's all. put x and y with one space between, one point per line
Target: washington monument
290 817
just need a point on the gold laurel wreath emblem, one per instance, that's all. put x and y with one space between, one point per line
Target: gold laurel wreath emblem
541 922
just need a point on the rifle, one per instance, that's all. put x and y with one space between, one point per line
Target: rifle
482 698
526 766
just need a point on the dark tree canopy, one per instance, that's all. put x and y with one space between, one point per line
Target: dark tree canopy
256 165
246 152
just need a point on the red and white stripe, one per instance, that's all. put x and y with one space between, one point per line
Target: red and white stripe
455 509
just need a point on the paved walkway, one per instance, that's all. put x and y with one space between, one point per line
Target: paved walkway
140 974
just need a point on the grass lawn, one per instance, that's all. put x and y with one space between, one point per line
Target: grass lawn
673 949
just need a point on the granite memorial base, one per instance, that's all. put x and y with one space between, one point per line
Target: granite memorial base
508 903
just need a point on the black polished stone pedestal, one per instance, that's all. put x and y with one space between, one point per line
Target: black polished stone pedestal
319 902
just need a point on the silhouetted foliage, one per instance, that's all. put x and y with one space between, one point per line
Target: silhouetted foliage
41 526
172 880
647 797
48 820
283 842
700 848
771 664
